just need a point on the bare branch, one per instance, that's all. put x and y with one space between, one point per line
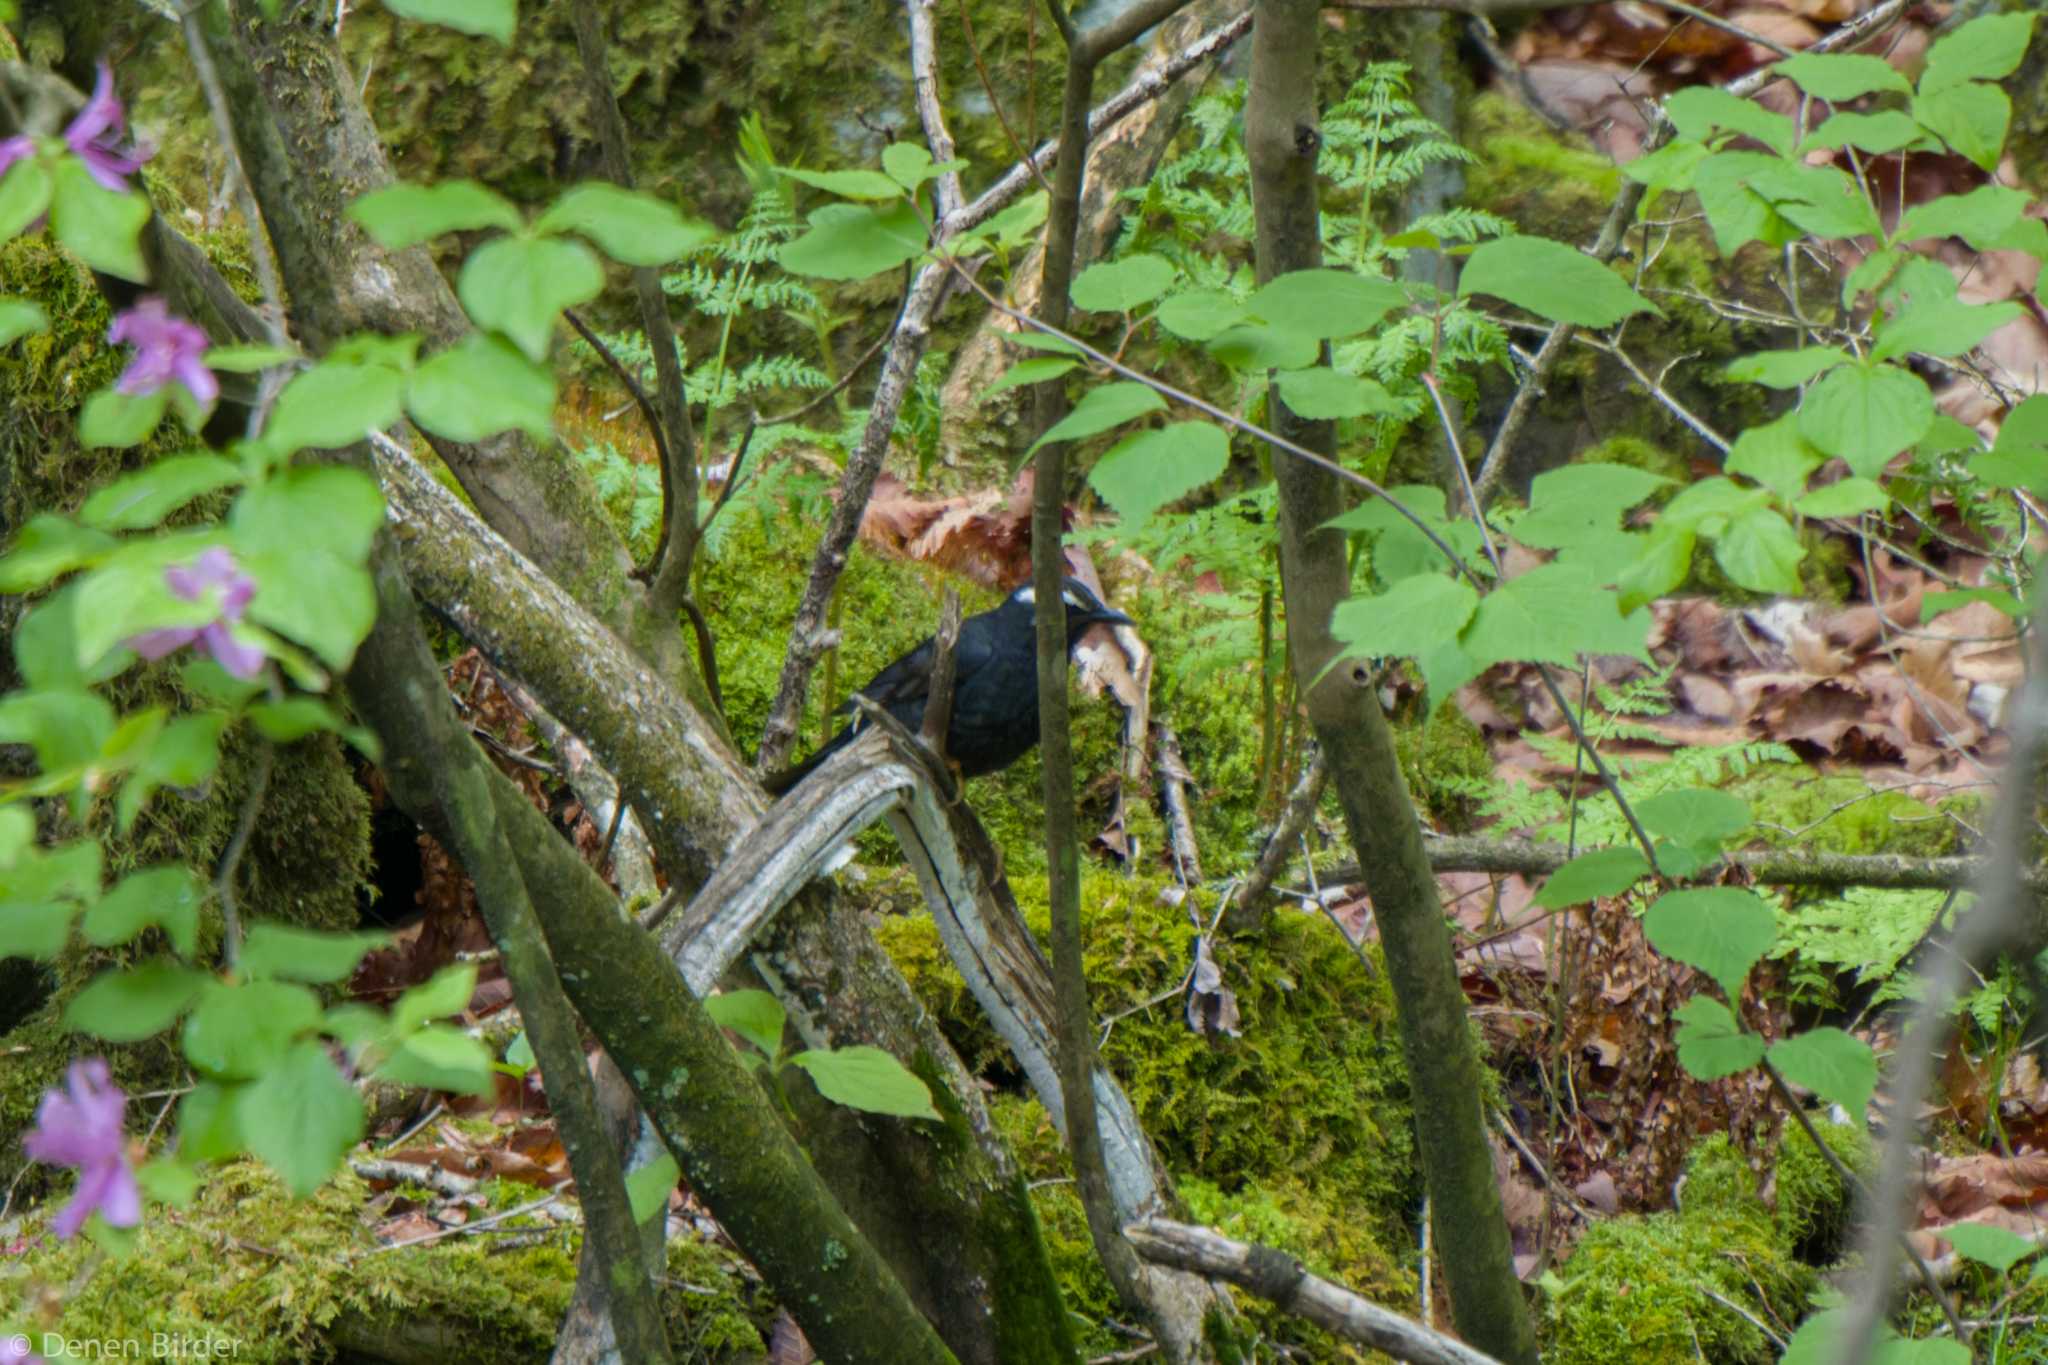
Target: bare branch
1276 1276
931 112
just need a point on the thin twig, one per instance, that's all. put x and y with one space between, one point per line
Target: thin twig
231 857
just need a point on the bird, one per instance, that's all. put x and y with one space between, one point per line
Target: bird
995 685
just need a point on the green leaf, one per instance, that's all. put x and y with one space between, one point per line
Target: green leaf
1578 502
1881 133
1920 1351
1200 314
1839 77
24 196
755 1016
207 1128
1121 286
20 317
908 164
316 956
1711 1044
168 1181
302 1116
1941 328
126 1005
1149 469
1971 118
1323 394
1028 372
35 930
439 1058
399 216
1103 407
1760 551
1834 1065
248 359
1322 303
1552 614
1017 224
101 228
1737 214
648 1187
627 225
1551 280
1700 110
1821 200
486 18
1031 339
238 1032
849 242
1866 414
847 184
1590 876
1983 214
112 420
520 285
1843 498
144 498
444 993
68 728
481 387
1999 1248
1697 817
1987 48
49 547
333 405
168 896
1256 346
303 536
1934 604
1408 620
1721 930
1785 369
867 1079
1776 456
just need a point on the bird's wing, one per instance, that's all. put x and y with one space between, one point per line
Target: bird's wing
909 679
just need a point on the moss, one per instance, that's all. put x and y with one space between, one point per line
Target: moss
1546 182
284 1274
1840 813
1645 1287
1298 1132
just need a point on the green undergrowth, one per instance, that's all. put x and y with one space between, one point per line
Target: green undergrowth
308 855
1297 1133
1657 1287
301 1280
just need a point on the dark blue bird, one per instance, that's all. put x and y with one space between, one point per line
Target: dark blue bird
995 685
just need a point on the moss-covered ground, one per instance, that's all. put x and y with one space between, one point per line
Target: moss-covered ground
299 1280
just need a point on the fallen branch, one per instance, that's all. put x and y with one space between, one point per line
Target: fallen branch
1278 1277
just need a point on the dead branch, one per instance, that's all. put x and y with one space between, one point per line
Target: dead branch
1278 1277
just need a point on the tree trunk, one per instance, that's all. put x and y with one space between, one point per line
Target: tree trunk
1282 140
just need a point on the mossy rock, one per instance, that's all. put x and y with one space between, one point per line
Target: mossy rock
296 1280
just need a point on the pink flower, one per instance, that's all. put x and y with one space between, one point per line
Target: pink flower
80 1126
214 572
14 1351
94 136
167 349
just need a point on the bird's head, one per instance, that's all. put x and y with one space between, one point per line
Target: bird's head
1084 608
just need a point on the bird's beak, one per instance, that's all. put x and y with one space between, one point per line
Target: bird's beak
1109 617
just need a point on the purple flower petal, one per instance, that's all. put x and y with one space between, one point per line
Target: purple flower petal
239 658
20 147
93 136
155 644
166 348
102 113
82 1126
